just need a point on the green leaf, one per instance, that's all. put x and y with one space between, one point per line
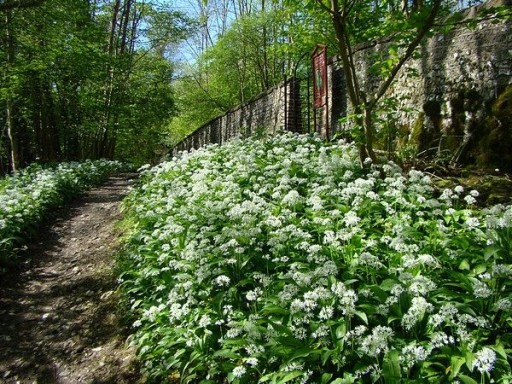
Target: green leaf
464 265
272 309
467 380
481 268
391 370
362 316
456 363
226 353
306 352
490 252
500 349
345 380
341 331
387 284
326 355
325 378
290 376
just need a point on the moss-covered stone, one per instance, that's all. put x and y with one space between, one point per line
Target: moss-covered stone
493 189
494 145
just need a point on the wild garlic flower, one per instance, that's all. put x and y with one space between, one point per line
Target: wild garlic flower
484 360
366 258
412 354
458 189
204 321
222 280
322 331
504 304
470 200
252 361
419 307
254 295
294 366
481 289
239 371
472 222
446 315
440 339
377 343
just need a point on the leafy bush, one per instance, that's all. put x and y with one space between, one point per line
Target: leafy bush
283 261
26 198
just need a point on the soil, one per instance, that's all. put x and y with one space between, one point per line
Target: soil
60 317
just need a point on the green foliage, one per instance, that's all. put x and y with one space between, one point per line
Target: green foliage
253 54
282 260
86 88
29 196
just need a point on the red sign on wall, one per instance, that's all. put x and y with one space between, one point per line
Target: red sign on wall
319 60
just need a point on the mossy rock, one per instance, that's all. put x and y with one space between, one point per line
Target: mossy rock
493 148
493 189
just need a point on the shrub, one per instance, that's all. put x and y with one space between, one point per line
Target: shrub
281 260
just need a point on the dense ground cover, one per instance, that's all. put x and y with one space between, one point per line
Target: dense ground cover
282 260
28 196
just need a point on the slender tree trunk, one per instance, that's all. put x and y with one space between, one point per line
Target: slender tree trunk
12 127
103 129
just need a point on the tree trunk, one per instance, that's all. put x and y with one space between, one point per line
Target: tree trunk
12 127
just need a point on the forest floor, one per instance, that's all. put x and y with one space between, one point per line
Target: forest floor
60 318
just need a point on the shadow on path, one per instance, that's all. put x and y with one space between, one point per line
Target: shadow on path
59 315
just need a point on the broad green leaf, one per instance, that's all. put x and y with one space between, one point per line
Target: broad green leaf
467 380
362 316
391 370
464 265
341 331
456 363
326 377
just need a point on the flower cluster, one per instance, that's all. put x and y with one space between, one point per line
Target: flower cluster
28 195
283 260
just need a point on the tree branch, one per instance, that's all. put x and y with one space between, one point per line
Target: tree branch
324 7
425 28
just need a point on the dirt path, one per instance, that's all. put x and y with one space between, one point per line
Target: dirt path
59 320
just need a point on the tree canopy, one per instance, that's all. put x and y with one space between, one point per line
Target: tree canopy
82 79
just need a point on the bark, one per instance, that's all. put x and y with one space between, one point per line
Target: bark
12 127
364 105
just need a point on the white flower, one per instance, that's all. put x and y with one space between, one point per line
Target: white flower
503 305
484 360
439 339
419 307
351 219
239 371
251 361
291 198
322 330
481 290
204 321
411 354
376 343
254 294
470 200
222 280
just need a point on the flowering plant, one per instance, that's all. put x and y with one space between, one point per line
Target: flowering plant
27 196
282 260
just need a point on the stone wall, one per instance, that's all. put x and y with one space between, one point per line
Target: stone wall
445 97
272 111
453 99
